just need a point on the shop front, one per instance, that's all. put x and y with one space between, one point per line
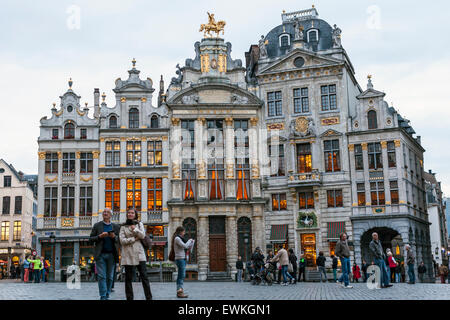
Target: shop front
278 237
158 251
308 248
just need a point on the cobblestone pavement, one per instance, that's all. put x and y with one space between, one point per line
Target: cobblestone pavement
11 290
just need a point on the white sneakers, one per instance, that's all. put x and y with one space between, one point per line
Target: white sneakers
348 287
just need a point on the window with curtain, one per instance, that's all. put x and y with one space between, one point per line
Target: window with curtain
50 201
112 153
306 200
69 131
51 162
154 195
304 159
277 163
361 192
242 164
375 156
334 198
133 153
112 194
154 153
67 201
331 154
279 202
85 201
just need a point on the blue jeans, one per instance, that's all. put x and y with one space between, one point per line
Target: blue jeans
345 263
334 275
105 272
43 275
384 275
181 265
285 273
322 270
411 274
239 275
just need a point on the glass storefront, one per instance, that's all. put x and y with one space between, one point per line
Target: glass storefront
156 253
66 254
86 253
308 246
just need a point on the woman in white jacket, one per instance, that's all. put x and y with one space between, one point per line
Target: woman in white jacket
179 247
133 253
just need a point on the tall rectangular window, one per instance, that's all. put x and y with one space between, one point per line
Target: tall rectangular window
133 153
189 170
361 191
7 181
375 157
85 201
6 209
274 104
377 193
334 198
68 201
68 162
83 134
154 153
393 185
112 153
188 132
17 231
301 102
112 194
134 193
277 164
5 231
279 202
215 145
51 162
50 201
328 97
18 205
359 164
241 145
154 195
86 162
306 200
392 162
54 134
331 154
304 158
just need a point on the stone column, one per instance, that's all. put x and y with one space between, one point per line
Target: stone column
102 153
258 234
254 161
144 187
59 205
387 188
232 243
41 188
123 152
201 159
96 193
366 177
400 173
203 247
144 152
175 157
101 195
123 198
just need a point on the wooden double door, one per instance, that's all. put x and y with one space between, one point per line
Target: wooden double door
217 245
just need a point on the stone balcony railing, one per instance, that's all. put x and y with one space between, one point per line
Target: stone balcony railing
305 179
115 217
85 222
49 223
154 216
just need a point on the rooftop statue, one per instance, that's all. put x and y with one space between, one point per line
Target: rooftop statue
212 26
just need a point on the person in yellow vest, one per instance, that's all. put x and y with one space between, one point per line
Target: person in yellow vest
36 268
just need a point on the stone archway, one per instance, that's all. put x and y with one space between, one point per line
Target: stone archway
389 238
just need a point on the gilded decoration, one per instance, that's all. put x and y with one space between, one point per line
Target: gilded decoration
383 144
67 222
351 147
41 155
329 121
51 179
86 179
254 121
175 121
275 126
212 26
301 125
123 99
397 143
229 121
364 146
222 63
78 155
80 113
204 60
95 154
59 155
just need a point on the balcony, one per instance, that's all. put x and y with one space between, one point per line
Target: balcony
85 222
68 177
115 217
49 223
306 179
154 216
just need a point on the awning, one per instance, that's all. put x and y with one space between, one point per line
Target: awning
279 232
335 229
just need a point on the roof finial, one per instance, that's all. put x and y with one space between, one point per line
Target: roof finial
313 6
369 82
70 83
284 11
134 63
103 97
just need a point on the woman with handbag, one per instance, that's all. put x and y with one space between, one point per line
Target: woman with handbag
178 254
133 254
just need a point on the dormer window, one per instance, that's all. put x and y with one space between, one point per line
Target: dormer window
372 119
154 123
313 35
69 131
285 40
113 122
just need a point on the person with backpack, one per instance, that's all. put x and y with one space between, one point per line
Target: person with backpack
302 268
334 265
133 254
178 254
320 261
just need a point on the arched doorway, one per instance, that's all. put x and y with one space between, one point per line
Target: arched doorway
244 229
389 238
190 226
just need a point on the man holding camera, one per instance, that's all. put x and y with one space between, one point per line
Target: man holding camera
105 235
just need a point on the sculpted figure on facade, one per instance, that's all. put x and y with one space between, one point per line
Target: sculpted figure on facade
177 80
262 47
302 126
336 37
298 32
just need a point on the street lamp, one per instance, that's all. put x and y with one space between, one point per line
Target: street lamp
52 243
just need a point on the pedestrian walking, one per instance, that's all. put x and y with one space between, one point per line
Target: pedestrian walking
302 268
133 254
421 270
343 252
334 265
410 259
443 273
283 257
178 254
392 263
105 235
293 262
364 267
356 272
376 250
320 262
239 268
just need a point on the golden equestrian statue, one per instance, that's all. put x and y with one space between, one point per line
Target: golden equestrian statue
212 26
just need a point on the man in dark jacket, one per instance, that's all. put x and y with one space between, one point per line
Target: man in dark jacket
334 265
320 261
376 249
421 270
343 252
410 259
105 235
258 259
293 261
364 267
239 268
302 268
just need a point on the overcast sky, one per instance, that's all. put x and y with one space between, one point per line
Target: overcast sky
403 44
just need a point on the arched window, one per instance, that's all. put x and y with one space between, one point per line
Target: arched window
69 131
313 35
154 123
372 119
113 122
190 226
284 40
244 229
133 117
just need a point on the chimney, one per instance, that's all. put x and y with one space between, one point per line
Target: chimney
430 172
96 102
161 91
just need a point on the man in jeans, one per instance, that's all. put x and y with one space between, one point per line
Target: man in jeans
376 249
410 259
283 257
239 268
105 235
343 252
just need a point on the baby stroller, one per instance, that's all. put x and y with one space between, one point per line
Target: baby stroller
265 275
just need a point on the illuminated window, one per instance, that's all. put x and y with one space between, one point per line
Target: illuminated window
17 230
154 153
242 164
5 230
134 194
215 159
377 193
304 159
133 153
394 192
334 198
331 154
306 200
392 162
279 202
112 194
361 190
154 194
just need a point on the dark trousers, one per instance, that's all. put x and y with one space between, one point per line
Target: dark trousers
300 271
392 274
294 273
129 272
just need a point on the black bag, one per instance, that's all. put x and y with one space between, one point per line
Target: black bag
147 243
